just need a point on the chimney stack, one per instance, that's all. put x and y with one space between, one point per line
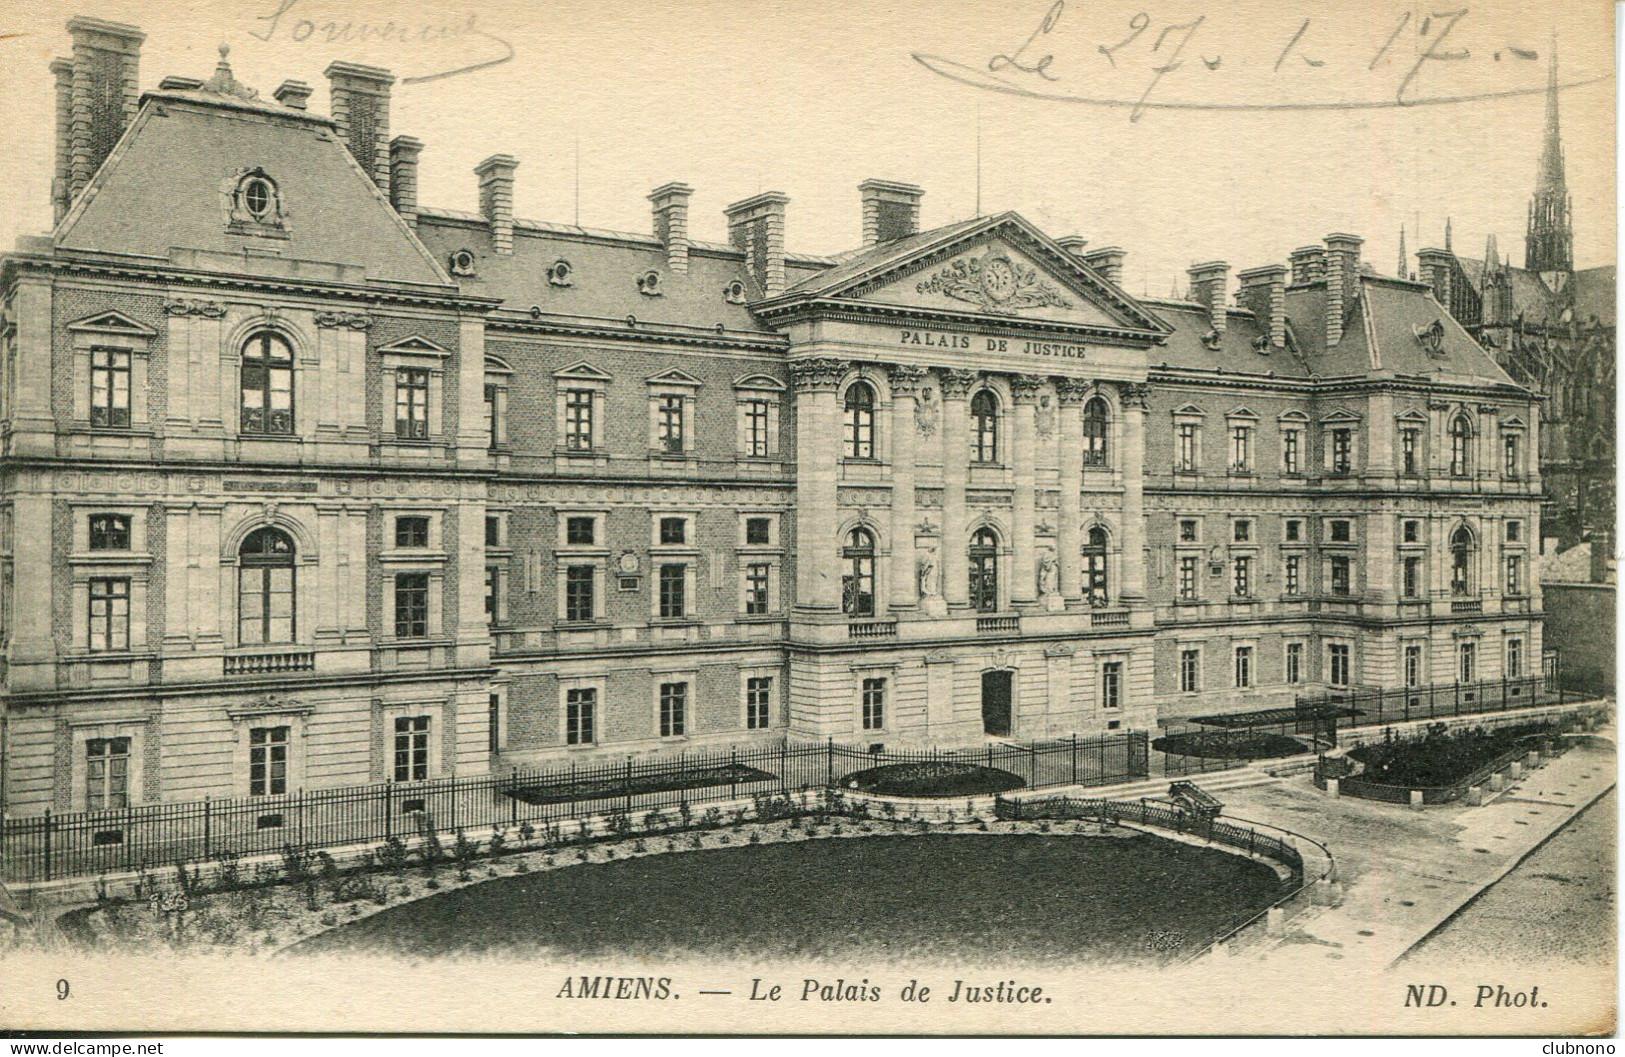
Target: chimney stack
1263 290
496 199
670 202
756 227
1108 261
1073 244
62 177
103 96
1342 281
1208 282
1436 271
891 210
294 94
360 109
403 176
1308 264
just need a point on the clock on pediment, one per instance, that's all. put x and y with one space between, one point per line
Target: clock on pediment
994 282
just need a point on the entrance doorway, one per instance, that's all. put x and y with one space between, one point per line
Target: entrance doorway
996 703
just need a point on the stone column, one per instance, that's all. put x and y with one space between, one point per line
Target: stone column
1072 393
905 384
1023 458
955 387
1132 468
818 433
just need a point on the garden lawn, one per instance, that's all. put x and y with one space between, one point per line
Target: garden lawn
609 788
990 899
1225 745
932 779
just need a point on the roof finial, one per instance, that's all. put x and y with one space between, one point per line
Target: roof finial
223 83
1447 234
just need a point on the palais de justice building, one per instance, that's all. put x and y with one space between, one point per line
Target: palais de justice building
308 484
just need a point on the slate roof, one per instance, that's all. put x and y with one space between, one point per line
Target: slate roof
1235 354
165 184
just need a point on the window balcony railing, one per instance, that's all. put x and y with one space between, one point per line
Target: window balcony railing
1108 619
997 624
270 663
872 629
1466 605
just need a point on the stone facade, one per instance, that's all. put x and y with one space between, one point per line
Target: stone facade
306 484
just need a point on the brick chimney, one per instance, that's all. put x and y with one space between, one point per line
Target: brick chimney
103 93
1208 282
756 227
62 176
403 176
360 109
1108 261
1342 281
496 199
1308 264
1436 266
1263 291
670 203
295 94
891 210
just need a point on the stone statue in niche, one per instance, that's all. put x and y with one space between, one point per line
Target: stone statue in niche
1046 416
1048 573
925 567
926 411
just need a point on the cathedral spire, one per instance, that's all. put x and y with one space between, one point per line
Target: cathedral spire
1548 246
1404 258
1447 245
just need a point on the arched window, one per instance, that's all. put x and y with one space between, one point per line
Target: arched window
1094 567
265 582
984 571
1094 432
984 413
858 581
1461 446
267 384
1461 561
860 421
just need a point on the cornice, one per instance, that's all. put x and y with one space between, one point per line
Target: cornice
632 330
214 687
827 308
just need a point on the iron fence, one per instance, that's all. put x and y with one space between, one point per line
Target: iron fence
54 846
1548 742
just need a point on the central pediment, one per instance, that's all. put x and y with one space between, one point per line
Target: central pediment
991 268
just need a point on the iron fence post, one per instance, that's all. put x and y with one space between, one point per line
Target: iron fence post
301 813
513 800
48 824
1074 757
829 762
628 788
129 838
206 834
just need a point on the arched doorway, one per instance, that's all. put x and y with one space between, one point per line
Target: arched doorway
996 703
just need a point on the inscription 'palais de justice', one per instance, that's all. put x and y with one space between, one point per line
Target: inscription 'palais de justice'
938 340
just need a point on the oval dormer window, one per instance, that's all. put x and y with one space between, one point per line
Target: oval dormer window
559 274
649 284
462 263
734 293
258 196
256 205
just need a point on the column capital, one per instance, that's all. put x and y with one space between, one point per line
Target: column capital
818 374
1135 394
956 384
1073 390
1024 387
905 378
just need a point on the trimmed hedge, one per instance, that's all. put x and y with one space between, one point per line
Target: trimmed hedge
1251 745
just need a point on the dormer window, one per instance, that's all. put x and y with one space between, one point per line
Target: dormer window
462 263
734 293
256 205
258 195
649 284
559 273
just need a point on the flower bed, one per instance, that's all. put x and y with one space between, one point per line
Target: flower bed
1248 745
610 788
1442 758
932 779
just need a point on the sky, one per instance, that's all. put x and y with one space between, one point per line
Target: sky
810 99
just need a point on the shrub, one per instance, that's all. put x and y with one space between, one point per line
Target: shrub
297 863
228 874
655 821
430 851
329 919
712 818
393 856
526 832
499 841
464 850
639 847
431 884
756 836
618 823
686 813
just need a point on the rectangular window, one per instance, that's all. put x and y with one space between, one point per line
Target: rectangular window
109 614
110 388
412 403
1337 656
578 592
874 704
493 724
1514 531
1294 530
411 532
1190 671
580 716
1187 447
673 531
754 414
1413 665
1514 574
1467 654
1412 577
673 584
1290 440
578 420
1241 448
756 588
673 710
580 531
1244 577
493 531
1188 531
107 773
1294 662
1340 576
1514 461
1293 569
1244 667
1411 532
493 416
1514 658
758 531
411 748
411 605
109 532
1111 684
267 761
1341 532
669 424
1407 451
493 591
1342 450
1243 531
758 702
1187 577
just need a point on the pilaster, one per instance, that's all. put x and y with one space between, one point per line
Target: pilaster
818 579
1023 572
1133 459
905 385
1072 394
956 386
